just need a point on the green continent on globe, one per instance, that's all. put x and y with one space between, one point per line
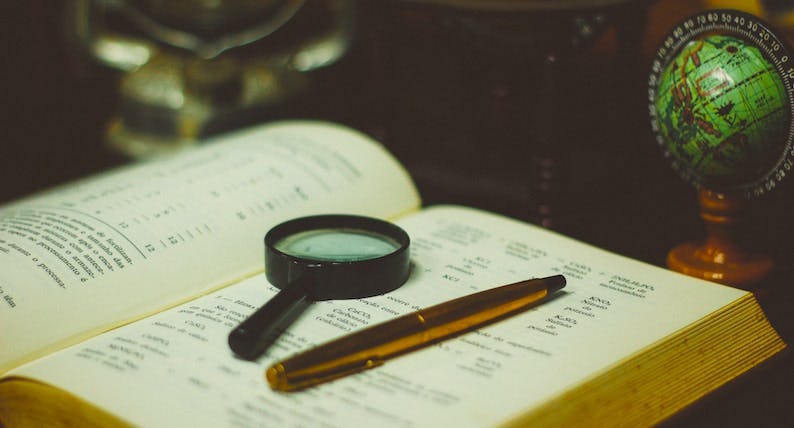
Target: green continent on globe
722 111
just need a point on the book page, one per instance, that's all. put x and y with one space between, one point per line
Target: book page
175 368
114 247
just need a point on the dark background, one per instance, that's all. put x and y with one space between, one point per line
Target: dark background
462 110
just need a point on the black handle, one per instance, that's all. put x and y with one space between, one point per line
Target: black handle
254 335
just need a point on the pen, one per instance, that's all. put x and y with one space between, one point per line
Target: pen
370 347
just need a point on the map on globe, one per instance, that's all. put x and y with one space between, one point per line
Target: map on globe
722 111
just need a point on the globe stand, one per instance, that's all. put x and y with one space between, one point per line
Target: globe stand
726 255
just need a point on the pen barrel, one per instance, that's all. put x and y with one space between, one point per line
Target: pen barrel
373 345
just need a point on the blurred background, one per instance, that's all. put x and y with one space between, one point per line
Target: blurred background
536 109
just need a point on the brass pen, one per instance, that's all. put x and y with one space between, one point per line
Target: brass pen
370 347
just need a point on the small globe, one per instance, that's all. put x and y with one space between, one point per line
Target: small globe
722 112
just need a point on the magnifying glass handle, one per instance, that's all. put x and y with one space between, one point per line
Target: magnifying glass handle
254 335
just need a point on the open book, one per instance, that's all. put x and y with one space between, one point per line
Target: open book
117 294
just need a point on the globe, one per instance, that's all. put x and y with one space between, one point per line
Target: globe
722 112
721 103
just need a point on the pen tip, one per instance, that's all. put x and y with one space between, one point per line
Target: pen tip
555 283
276 376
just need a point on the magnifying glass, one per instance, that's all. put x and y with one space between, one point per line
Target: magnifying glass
322 258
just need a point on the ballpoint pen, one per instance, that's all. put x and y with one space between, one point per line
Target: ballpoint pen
370 347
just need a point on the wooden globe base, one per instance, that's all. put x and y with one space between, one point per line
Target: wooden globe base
699 260
726 255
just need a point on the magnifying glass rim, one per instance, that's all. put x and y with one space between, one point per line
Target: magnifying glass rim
329 279
370 225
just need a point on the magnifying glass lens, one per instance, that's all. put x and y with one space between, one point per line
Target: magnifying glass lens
321 258
341 245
